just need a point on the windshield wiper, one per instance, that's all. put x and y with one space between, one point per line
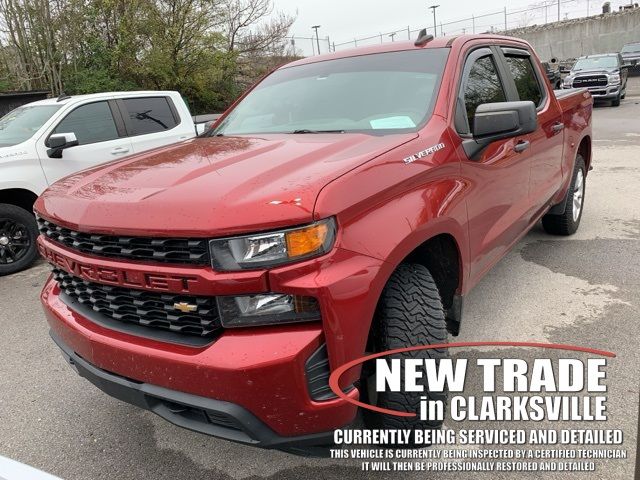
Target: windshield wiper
304 130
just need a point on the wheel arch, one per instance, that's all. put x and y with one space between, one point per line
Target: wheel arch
443 255
440 254
19 197
584 150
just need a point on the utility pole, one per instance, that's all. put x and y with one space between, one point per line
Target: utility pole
546 13
435 25
505 19
473 24
558 10
393 36
316 27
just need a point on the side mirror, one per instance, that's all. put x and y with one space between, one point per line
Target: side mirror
58 142
497 121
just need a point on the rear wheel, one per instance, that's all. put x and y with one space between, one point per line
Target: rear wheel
568 222
18 233
409 314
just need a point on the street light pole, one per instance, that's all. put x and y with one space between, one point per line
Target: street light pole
435 27
316 27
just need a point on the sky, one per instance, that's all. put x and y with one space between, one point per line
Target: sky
344 20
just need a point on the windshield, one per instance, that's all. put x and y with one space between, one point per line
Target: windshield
20 124
633 48
596 63
385 92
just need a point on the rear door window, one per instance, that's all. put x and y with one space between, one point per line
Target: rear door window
148 115
525 77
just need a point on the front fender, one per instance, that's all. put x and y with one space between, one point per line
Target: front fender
393 230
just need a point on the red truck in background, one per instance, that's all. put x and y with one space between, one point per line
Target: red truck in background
346 204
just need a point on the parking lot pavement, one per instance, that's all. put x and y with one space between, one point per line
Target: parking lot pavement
582 290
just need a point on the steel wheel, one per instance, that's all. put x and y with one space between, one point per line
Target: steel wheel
578 195
14 241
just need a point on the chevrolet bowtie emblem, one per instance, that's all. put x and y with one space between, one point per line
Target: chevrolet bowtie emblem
185 307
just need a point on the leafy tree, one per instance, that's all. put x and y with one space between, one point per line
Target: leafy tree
209 50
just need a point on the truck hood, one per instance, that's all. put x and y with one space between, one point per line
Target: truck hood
211 186
597 71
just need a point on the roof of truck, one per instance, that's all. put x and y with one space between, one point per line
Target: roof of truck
599 55
438 42
99 96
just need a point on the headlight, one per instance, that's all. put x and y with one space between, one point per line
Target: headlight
614 79
270 249
266 309
568 81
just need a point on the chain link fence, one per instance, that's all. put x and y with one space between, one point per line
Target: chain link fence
508 18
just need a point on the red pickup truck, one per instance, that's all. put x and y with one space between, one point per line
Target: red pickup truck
346 204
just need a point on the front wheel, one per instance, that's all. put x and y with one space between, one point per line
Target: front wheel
616 102
409 314
18 233
568 222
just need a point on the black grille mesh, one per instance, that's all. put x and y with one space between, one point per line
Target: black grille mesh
193 251
590 81
153 310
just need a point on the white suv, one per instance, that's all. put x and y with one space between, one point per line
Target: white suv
44 141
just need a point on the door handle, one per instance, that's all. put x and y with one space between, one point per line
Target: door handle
557 127
521 146
119 151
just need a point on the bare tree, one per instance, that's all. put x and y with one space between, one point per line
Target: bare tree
252 26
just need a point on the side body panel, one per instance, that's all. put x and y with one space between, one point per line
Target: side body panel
547 150
20 168
577 112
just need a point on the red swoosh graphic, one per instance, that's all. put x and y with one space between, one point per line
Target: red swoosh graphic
334 379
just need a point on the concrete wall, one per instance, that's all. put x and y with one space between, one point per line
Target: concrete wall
584 36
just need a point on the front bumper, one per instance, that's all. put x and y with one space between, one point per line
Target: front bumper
605 93
205 415
260 370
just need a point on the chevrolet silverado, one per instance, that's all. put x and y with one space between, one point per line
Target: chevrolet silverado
345 204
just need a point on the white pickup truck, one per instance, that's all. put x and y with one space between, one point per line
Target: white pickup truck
44 141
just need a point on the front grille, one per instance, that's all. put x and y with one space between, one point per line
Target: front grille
142 308
193 251
590 81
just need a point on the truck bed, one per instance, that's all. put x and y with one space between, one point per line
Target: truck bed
565 92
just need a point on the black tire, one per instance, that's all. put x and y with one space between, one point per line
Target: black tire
566 224
616 102
409 313
17 227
